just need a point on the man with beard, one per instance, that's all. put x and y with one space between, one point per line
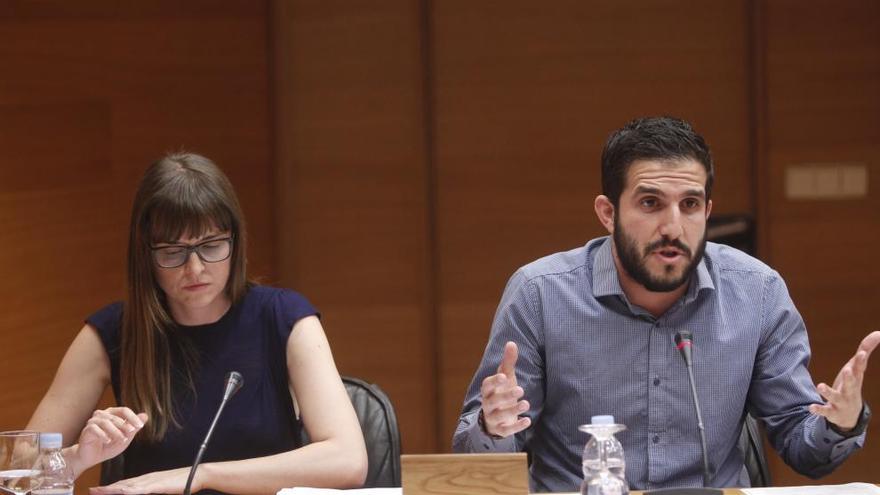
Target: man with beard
591 331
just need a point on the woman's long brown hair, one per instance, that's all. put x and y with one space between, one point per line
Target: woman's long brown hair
182 193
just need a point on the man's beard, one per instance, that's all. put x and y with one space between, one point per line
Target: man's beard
634 262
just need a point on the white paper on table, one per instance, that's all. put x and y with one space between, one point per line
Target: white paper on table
846 489
302 490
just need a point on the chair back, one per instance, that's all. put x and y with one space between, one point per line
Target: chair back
112 470
751 444
381 434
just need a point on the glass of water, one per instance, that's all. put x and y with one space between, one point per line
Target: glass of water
18 456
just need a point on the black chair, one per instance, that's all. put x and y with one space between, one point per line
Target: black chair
112 470
378 423
381 434
751 444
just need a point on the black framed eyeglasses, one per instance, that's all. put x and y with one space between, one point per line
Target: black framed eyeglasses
210 251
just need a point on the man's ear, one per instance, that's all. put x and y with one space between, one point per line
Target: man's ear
604 212
708 208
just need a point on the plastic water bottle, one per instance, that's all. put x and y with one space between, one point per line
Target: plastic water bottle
56 477
603 461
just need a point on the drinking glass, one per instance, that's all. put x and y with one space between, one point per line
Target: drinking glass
18 457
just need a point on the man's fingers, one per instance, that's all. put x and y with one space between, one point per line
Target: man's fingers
505 430
828 393
500 393
493 384
508 360
506 421
821 409
508 412
870 343
500 397
860 363
852 384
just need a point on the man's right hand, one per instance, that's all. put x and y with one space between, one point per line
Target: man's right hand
501 398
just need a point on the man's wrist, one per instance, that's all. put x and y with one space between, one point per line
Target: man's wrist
481 422
859 428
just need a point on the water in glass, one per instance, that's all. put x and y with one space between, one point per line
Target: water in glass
18 457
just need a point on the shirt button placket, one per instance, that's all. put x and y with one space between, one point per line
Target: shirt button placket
656 402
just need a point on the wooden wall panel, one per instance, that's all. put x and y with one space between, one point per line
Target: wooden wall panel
413 154
525 96
90 94
353 192
823 106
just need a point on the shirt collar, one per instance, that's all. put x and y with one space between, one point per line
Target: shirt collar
607 283
605 279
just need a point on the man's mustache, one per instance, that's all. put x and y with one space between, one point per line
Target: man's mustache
665 242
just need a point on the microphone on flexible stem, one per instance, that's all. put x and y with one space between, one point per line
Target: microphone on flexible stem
683 342
234 381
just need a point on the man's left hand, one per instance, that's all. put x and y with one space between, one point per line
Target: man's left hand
844 399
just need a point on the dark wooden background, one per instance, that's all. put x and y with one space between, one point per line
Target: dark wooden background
398 160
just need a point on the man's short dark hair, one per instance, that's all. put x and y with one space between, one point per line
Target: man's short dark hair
651 138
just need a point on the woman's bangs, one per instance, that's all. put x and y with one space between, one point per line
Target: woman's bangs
192 216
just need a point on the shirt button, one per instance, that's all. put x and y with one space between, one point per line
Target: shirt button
656 439
656 381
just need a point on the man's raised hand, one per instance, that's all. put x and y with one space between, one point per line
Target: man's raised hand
501 398
844 398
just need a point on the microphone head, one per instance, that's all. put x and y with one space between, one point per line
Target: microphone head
683 336
234 381
683 342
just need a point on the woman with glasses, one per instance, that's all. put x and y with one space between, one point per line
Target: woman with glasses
190 317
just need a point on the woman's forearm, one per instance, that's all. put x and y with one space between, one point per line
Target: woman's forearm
328 464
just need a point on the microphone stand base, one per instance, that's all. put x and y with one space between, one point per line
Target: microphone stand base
684 491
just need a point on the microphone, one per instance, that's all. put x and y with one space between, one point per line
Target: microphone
684 342
234 381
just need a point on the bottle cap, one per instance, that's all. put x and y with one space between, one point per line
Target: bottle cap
50 440
605 419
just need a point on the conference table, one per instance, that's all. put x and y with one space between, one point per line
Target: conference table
727 491
496 474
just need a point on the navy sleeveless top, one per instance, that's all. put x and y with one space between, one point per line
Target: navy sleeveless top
259 420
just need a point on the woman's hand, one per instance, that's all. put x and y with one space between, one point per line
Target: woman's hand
106 434
172 481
